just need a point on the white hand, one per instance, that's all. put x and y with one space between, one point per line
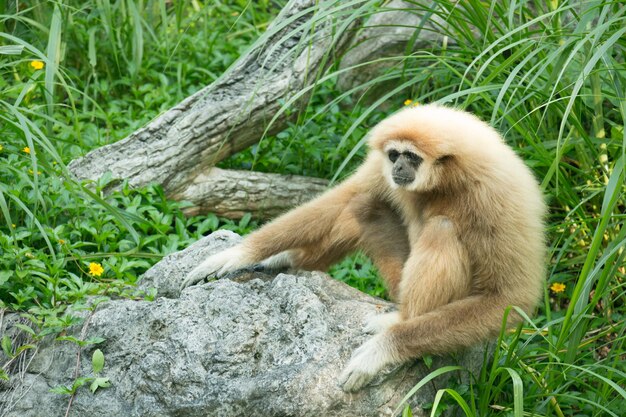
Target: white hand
378 323
369 359
218 265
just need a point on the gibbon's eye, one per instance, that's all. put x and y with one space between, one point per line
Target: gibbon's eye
393 155
414 159
443 159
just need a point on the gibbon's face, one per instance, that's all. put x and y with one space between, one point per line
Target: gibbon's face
406 167
423 148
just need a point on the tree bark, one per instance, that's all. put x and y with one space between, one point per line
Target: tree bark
400 27
233 112
233 193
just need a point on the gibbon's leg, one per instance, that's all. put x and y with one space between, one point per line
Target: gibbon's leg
436 274
384 239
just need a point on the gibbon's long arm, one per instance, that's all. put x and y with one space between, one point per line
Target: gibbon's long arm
435 274
462 323
437 271
315 234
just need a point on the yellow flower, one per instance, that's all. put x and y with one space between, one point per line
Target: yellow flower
95 269
13 224
557 287
1 148
61 242
37 64
407 102
26 149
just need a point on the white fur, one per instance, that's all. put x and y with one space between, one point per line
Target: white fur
378 323
366 361
402 146
279 261
218 265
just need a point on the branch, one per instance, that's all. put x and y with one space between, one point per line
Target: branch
233 193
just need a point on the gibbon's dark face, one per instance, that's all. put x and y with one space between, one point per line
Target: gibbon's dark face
405 165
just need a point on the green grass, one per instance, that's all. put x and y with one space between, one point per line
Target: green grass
107 69
550 76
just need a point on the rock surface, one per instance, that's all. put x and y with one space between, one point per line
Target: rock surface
257 344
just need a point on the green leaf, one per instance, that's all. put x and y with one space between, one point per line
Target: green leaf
94 340
23 348
6 346
97 361
62 389
82 343
4 276
79 382
11 49
26 329
99 383
434 374
407 411
428 361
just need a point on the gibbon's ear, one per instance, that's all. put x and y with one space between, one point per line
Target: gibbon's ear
444 159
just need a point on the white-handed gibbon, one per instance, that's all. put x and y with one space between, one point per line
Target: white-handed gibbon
449 214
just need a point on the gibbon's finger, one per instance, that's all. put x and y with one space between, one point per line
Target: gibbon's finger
218 265
353 380
196 275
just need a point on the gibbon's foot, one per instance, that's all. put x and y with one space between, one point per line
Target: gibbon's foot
378 323
366 361
217 265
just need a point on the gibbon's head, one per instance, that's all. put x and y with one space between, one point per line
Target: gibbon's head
431 146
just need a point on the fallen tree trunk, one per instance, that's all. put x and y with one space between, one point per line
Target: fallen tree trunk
397 29
233 112
233 193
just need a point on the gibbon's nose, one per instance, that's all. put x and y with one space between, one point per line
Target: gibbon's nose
403 174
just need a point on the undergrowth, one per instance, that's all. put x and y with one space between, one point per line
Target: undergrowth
549 75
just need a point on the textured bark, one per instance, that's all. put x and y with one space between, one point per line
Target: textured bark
387 34
230 114
233 193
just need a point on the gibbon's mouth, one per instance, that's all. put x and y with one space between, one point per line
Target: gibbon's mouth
402 180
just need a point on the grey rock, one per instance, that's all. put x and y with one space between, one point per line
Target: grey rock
258 344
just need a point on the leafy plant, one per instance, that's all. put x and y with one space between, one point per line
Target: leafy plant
95 381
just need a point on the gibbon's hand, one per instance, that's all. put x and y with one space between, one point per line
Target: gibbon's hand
217 265
378 323
366 361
